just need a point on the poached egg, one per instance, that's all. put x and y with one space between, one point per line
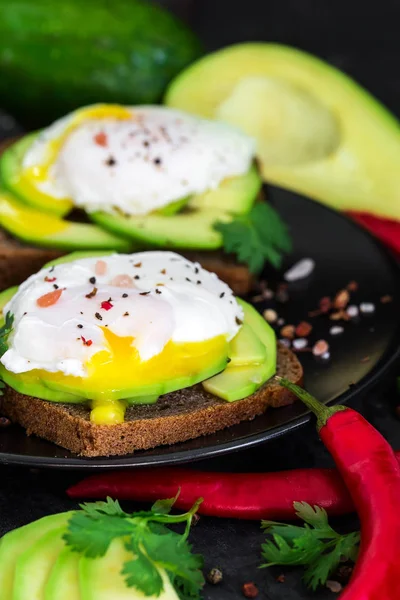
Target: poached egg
133 160
119 321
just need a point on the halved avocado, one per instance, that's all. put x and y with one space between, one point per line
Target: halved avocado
11 176
50 231
318 132
193 227
239 381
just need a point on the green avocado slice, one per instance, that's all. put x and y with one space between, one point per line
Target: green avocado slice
101 578
193 227
50 231
239 381
15 543
10 176
63 581
246 348
318 132
33 566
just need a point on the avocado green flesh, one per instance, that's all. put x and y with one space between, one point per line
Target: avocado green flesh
101 579
318 132
5 297
16 542
10 171
125 51
63 581
237 382
252 362
193 227
246 348
151 389
50 231
33 566
35 388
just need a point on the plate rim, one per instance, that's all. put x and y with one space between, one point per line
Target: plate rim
245 442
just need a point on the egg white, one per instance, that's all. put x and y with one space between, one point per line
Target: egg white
167 298
143 163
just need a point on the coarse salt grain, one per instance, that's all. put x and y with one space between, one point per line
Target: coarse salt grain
300 270
352 311
367 307
320 348
336 330
300 343
326 356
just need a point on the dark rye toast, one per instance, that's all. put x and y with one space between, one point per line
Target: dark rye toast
176 417
19 260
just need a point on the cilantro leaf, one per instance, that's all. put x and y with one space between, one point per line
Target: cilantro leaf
141 573
155 548
163 507
92 535
256 237
5 331
316 545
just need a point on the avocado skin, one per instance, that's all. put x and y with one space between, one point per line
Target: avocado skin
67 54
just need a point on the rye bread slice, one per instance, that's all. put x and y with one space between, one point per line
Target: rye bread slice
176 417
19 260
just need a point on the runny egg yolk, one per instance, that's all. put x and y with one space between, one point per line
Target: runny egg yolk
32 176
118 372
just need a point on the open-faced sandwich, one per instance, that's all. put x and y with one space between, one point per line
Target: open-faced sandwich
137 178
107 354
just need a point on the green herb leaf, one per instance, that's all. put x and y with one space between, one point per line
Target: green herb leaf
163 507
154 547
142 574
316 545
259 236
5 331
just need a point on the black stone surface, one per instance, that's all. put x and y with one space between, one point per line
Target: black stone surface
362 39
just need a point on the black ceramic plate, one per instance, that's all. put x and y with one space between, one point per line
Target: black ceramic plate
342 253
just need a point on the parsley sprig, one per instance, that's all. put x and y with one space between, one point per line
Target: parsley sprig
5 331
257 237
146 535
316 546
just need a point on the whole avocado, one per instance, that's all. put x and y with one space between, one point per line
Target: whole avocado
57 56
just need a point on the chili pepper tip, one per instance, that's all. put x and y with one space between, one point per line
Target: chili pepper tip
322 412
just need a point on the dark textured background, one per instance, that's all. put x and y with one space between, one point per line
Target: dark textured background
362 39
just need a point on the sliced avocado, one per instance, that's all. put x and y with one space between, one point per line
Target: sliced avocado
173 207
33 566
101 579
237 382
193 227
29 385
72 386
11 176
246 348
5 297
15 543
50 231
63 581
318 132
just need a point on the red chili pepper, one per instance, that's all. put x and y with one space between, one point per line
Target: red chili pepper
371 473
86 342
50 279
106 304
234 495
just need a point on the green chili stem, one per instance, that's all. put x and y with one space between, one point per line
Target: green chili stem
322 412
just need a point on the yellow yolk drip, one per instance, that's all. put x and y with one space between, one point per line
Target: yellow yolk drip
22 220
32 176
119 367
